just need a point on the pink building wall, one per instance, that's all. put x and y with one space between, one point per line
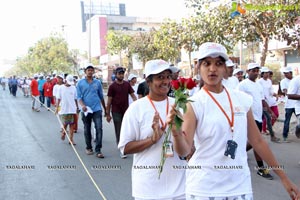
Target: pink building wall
102 34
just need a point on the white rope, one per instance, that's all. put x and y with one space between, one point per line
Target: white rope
75 151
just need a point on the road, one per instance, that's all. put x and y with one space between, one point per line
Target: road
37 165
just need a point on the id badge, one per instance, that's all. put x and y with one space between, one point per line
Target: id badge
231 147
168 149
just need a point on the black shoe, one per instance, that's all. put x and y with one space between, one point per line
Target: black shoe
89 151
265 173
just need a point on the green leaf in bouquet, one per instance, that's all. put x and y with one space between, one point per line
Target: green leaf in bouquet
178 122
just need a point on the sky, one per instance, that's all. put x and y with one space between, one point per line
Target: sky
24 22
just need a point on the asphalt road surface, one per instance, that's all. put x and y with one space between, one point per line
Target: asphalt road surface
35 164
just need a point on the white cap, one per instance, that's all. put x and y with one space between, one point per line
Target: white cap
175 69
89 66
70 79
210 49
35 76
131 76
157 66
237 70
61 76
252 66
47 77
286 69
229 63
264 69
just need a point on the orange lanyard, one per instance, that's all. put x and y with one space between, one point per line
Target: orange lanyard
167 111
231 122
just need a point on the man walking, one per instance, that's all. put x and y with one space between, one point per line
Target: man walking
35 93
254 89
14 86
117 102
289 105
48 92
90 94
41 82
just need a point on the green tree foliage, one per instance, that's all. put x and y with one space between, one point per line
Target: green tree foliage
51 54
48 55
143 46
166 42
262 21
118 43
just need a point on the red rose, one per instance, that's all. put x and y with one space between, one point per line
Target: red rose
190 84
175 84
182 82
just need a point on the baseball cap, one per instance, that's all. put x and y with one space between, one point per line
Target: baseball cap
157 66
61 76
120 70
131 76
229 63
47 77
175 69
237 70
70 79
264 69
211 49
35 76
89 66
252 66
286 69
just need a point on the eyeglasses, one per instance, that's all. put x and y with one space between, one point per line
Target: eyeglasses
163 77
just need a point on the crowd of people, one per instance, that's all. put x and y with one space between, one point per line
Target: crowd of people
229 111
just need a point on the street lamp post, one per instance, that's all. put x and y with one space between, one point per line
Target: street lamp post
90 33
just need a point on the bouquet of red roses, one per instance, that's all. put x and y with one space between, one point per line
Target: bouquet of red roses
181 87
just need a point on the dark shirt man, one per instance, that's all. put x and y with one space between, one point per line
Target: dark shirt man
117 102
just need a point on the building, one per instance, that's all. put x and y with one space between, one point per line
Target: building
101 17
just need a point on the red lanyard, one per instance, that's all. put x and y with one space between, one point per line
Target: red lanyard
231 122
167 110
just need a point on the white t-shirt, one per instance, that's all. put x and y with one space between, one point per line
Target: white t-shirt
194 90
220 175
255 90
232 82
67 95
136 125
294 88
268 91
55 90
284 84
130 100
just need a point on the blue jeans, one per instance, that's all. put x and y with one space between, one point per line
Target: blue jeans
42 97
14 89
48 99
286 127
87 122
268 117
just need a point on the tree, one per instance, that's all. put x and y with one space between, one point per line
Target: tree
51 54
262 21
166 42
142 46
73 58
118 43
48 55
